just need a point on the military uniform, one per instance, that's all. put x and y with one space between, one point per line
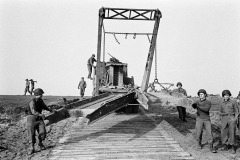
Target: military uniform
32 85
82 85
181 110
228 110
35 120
27 87
90 62
203 119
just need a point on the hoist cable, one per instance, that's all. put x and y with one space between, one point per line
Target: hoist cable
116 38
156 60
103 43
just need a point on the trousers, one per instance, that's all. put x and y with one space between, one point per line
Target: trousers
82 90
181 112
26 90
35 123
89 70
228 129
199 129
32 88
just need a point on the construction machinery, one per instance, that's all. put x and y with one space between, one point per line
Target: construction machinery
113 90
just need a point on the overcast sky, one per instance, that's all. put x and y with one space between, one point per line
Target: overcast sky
50 41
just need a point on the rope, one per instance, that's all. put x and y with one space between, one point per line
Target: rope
156 60
104 43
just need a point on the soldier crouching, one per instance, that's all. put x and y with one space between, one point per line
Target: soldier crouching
35 120
203 119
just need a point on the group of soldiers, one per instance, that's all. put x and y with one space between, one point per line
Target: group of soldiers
27 87
82 84
229 112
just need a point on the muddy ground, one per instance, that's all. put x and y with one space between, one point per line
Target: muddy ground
13 134
14 142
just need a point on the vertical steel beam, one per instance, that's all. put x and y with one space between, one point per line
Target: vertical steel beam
148 66
101 16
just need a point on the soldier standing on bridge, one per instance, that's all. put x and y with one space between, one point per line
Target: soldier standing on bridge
32 85
27 88
181 110
90 62
229 114
82 85
203 119
35 120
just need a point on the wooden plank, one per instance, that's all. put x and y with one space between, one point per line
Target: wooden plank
119 140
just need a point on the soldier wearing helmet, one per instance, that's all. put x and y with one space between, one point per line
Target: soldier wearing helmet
229 114
35 120
26 88
203 119
90 62
181 110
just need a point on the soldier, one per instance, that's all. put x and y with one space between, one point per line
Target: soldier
35 120
203 119
229 114
82 85
27 87
90 62
32 85
238 98
181 110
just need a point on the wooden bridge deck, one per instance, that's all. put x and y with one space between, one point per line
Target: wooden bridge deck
118 136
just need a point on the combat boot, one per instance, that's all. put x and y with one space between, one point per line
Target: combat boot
212 149
224 147
40 144
199 145
232 149
31 149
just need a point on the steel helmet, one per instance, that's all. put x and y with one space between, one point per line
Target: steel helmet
26 80
226 92
202 91
38 91
179 83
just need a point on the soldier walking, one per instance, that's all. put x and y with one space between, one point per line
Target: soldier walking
203 119
90 62
229 114
26 88
32 85
82 85
35 120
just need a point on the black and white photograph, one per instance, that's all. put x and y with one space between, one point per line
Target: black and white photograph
119 80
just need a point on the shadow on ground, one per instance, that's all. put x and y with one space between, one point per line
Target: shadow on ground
137 126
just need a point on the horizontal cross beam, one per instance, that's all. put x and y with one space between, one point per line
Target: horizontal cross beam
131 14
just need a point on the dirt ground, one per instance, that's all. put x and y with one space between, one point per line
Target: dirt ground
13 134
14 142
184 133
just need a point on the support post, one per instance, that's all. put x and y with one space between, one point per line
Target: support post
148 66
100 24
